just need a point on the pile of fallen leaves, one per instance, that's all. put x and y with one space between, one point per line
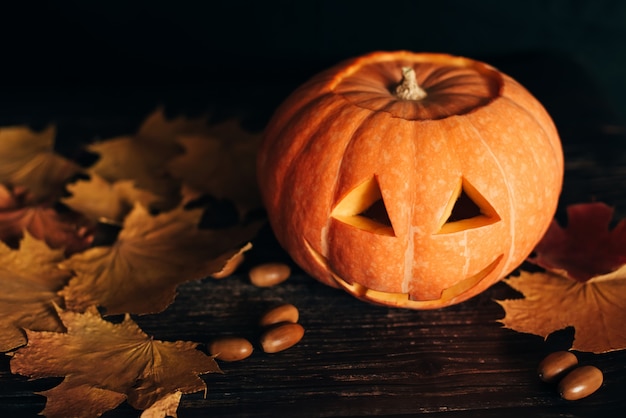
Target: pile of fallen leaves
117 237
582 283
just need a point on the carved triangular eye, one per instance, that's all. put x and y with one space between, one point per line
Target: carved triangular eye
364 208
467 209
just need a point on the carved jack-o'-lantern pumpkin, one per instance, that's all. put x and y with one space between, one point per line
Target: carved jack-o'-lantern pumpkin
410 180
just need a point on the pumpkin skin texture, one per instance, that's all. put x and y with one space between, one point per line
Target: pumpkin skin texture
414 203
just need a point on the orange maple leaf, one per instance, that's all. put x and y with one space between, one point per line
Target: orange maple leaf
152 255
595 308
68 231
105 363
30 279
220 162
28 162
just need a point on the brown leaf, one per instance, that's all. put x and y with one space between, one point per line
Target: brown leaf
81 401
595 308
220 162
143 157
96 198
104 363
67 231
28 161
153 254
586 248
30 280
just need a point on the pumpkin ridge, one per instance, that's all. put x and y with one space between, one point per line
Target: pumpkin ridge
367 104
510 193
434 76
295 110
409 252
268 157
462 95
533 150
555 152
439 103
456 81
442 108
333 192
348 179
286 179
296 116
353 136
430 104
307 140
519 95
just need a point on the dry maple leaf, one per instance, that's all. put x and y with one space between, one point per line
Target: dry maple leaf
97 198
586 248
595 308
164 407
152 255
30 279
143 157
105 363
68 231
28 161
220 162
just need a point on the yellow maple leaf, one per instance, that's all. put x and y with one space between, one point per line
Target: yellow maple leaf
28 161
97 198
596 308
164 407
152 255
30 280
104 364
142 157
220 162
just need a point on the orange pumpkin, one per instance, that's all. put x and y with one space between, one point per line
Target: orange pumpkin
414 180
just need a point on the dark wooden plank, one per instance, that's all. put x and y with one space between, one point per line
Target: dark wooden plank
355 359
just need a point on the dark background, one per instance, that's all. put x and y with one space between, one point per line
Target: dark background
113 43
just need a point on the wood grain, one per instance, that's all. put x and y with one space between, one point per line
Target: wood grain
357 359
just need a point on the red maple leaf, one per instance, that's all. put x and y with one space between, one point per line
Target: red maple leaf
587 247
68 231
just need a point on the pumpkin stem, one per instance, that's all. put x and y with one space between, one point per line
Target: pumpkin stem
408 89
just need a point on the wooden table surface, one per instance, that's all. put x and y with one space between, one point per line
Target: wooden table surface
355 359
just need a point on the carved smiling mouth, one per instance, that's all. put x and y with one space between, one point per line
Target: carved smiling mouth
404 299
